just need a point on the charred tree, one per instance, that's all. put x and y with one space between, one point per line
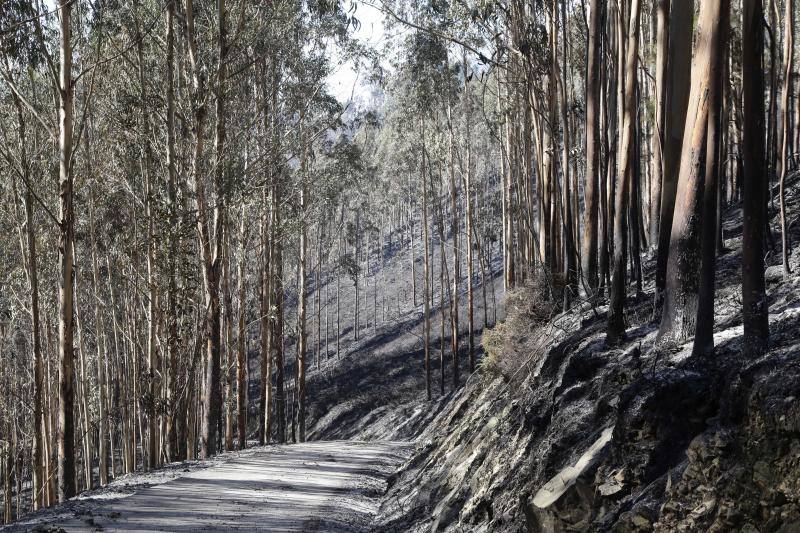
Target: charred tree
754 298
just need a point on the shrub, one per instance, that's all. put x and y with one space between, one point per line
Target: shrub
514 343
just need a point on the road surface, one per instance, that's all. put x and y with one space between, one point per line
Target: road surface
316 486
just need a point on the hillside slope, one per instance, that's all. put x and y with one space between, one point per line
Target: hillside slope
559 433
375 388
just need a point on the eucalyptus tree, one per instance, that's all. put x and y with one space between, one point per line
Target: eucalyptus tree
616 322
20 159
754 300
201 163
592 186
783 143
662 8
317 115
676 101
424 83
688 310
66 429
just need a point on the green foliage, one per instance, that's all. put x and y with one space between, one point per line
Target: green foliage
18 41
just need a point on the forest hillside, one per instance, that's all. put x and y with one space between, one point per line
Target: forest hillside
557 432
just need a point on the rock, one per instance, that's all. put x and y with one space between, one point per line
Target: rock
761 474
657 418
567 500
610 488
704 508
773 274
561 482
614 483
446 516
641 521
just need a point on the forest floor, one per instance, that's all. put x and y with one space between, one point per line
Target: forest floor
318 486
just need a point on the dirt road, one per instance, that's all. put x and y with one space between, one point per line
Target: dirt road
317 486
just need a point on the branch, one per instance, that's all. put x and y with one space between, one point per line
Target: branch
388 11
87 99
35 18
13 164
134 42
49 127
51 67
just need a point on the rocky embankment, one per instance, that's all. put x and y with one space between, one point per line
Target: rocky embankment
557 432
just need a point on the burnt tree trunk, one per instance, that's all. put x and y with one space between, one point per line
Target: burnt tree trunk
679 317
754 298
616 320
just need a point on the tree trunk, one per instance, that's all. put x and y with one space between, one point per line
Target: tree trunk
443 284
714 173
605 169
681 297
39 457
267 265
7 464
302 294
783 160
676 100
505 185
468 223
38 444
265 398
592 149
454 229
570 250
66 429
339 285
411 256
212 397
277 332
172 303
83 393
772 115
101 354
616 309
426 326
241 340
227 332
152 295
318 294
356 250
754 299
662 59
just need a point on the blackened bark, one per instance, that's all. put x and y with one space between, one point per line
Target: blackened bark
754 299
679 318
616 309
704 335
592 149
676 100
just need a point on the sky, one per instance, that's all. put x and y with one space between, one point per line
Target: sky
345 81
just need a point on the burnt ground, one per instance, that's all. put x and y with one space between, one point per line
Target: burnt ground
559 432
375 389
